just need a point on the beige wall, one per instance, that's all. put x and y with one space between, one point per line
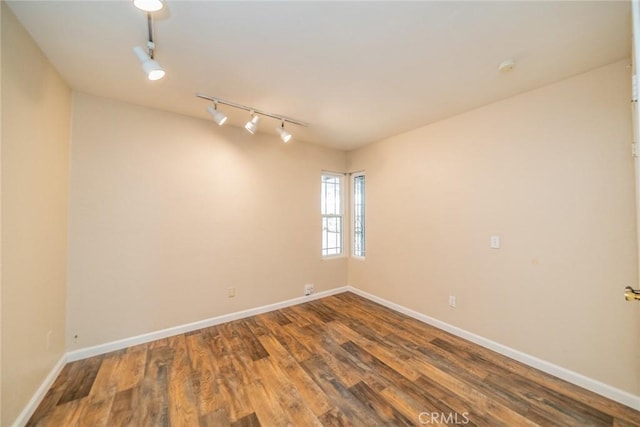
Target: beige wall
167 212
548 171
36 113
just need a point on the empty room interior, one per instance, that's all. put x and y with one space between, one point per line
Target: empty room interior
319 213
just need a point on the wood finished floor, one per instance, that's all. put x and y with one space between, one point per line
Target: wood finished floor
340 360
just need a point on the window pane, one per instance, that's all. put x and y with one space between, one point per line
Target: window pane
331 195
358 215
331 206
331 235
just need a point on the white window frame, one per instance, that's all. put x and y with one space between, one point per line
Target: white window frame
353 217
339 215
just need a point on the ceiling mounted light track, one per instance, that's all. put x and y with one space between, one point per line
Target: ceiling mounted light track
252 125
151 68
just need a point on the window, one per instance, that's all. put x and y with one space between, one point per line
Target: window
358 215
332 221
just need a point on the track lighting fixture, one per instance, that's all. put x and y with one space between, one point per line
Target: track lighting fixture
284 135
252 125
218 117
148 5
151 68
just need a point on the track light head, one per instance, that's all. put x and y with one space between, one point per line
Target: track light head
252 125
151 68
148 5
284 135
218 117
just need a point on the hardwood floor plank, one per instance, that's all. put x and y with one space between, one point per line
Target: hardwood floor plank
47 405
229 382
591 399
622 423
408 407
250 420
338 331
241 350
433 391
339 395
82 382
472 394
124 408
335 418
257 328
288 397
306 311
557 406
381 407
97 410
474 375
278 317
336 361
322 345
389 319
308 389
530 402
267 408
295 317
154 404
183 408
379 375
321 311
105 383
274 323
216 418
394 357
64 414
250 341
395 384
361 317
131 367
203 375
457 361
501 364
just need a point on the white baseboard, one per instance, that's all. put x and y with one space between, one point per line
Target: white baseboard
37 397
83 353
583 381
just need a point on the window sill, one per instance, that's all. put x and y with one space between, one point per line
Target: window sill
330 257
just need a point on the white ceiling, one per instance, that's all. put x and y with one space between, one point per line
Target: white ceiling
356 71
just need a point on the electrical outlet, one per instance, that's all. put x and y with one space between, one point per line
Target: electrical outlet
308 289
231 292
452 301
